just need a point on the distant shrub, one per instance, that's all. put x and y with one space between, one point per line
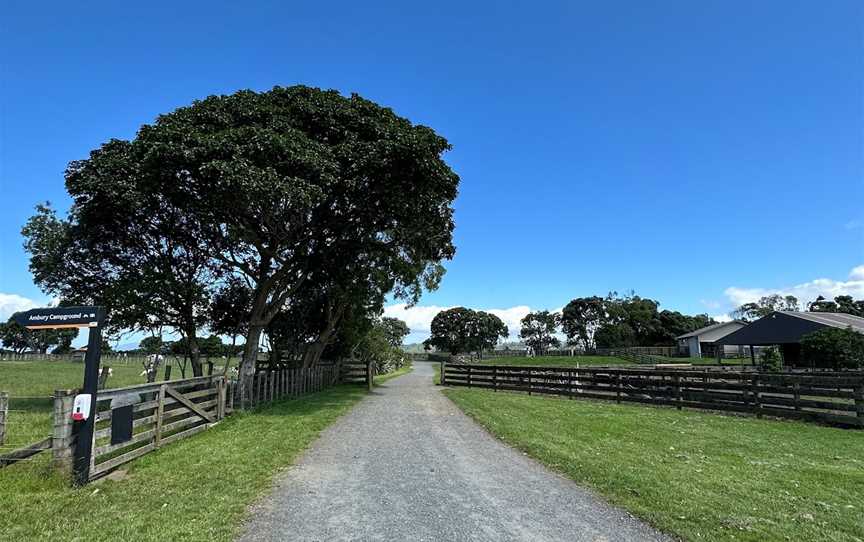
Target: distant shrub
769 360
834 348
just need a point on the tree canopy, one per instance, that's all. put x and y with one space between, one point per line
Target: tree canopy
622 321
460 330
842 303
539 329
765 306
834 348
20 339
395 330
314 201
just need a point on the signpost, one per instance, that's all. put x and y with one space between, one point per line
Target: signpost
76 317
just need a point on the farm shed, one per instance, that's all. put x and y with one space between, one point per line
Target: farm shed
703 341
785 329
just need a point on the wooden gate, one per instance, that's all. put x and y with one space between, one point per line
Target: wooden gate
153 415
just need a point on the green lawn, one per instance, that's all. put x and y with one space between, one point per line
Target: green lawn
592 361
196 489
557 361
698 475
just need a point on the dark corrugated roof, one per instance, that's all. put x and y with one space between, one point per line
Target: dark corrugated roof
709 328
785 327
833 319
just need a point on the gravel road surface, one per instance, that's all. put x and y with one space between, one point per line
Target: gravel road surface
405 464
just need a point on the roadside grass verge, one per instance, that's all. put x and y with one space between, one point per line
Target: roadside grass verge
698 475
196 489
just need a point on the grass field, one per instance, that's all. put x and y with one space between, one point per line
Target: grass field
196 489
557 361
593 361
698 475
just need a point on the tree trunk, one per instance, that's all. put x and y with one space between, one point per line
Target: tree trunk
250 356
194 354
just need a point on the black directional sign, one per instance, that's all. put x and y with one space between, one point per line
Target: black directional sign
59 317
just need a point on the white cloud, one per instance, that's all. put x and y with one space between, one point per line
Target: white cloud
419 318
806 292
722 318
12 303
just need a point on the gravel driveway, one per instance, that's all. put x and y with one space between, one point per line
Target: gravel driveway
406 464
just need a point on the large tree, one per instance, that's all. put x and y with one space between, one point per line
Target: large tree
581 318
460 330
631 320
123 248
539 329
275 185
285 182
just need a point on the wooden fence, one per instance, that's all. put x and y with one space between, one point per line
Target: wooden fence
135 420
357 372
835 398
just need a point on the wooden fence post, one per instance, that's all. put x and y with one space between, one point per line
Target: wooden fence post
797 390
272 378
220 398
369 375
859 403
495 378
677 379
4 413
443 379
468 377
160 409
618 388
754 391
62 435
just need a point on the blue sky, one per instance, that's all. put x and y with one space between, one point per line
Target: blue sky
697 152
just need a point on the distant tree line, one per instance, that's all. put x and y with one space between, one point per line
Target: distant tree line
19 339
617 321
285 215
765 305
586 323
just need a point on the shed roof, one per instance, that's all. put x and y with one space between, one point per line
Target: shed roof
712 327
787 327
833 319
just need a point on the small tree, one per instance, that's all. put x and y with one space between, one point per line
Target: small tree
395 330
769 360
151 345
835 348
376 348
538 330
489 329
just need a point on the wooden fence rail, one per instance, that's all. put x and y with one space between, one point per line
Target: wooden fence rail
134 420
835 398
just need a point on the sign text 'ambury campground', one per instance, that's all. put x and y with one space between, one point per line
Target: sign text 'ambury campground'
58 317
